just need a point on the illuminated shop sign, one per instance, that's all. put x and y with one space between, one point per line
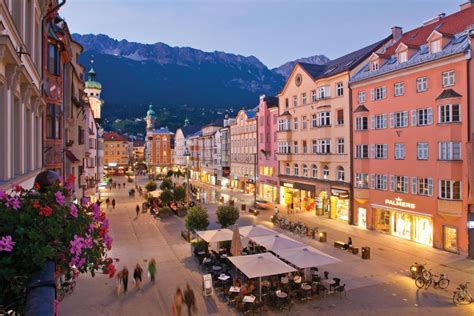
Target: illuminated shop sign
400 202
288 185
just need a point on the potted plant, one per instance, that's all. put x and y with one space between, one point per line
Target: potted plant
227 215
164 212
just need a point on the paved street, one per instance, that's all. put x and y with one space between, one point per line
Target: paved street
377 286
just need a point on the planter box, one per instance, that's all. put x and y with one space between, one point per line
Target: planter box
164 214
181 213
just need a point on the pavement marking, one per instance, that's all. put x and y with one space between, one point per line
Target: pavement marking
405 300
394 294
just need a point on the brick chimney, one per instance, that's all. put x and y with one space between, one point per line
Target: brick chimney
466 5
397 33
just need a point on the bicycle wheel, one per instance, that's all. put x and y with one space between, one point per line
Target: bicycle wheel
457 299
443 283
420 282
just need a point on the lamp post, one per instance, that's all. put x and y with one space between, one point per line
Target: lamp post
186 155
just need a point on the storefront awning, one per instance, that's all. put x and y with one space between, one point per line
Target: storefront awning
391 208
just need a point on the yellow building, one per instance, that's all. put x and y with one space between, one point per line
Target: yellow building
117 153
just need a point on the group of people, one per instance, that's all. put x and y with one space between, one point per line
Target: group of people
186 296
114 185
122 277
109 202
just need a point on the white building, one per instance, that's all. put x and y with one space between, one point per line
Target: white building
181 145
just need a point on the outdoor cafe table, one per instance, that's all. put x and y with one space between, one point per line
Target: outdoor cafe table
281 294
297 279
234 289
249 299
223 277
307 288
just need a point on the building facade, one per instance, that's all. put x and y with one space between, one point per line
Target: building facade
158 151
313 136
243 136
413 139
181 145
117 153
210 163
225 154
21 102
268 182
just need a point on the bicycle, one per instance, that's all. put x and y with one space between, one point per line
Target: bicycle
442 282
462 294
65 288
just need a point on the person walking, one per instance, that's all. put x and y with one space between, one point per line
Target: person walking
107 202
178 302
137 276
125 279
119 185
152 270
113 203
137 209
119 285
189 299
123 185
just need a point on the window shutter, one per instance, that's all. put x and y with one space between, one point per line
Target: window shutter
392 120
384 120
405 184
392 183
384 93
430 186
372 94
372 151
405 118
372 121
413 117
414 185
385 183
385 151
429 115
372 181
439 114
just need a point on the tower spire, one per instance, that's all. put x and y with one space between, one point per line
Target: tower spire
92 71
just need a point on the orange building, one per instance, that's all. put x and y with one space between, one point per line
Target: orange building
117 153
412 135
158 150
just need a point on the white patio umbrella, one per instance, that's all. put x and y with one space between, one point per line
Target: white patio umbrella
216 235
256 230
260 265
306 257
276 242
236 245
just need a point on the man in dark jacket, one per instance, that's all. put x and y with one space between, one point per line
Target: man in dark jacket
189 299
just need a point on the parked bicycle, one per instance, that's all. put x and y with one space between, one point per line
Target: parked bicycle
442 282
462 295
65 288
417 269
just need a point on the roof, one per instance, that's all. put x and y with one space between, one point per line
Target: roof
190 129
150 111
93 85
70 155
138 143
251 114
341 64
361 108
217 122
448 93
162 130
271 101
114 136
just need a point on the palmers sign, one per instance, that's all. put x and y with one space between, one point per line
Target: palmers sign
400 202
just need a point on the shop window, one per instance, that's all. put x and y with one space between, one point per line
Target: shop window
314 171
325 172
423 230
401 225
340 173
451 239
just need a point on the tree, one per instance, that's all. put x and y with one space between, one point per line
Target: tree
166 197
197 218
151 186
167 184
179 194
227 215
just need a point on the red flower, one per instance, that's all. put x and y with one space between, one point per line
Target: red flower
36 204
18 188
37 186
110 270
46 211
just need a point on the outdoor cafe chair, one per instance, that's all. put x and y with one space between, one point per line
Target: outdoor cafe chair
341 289
336 282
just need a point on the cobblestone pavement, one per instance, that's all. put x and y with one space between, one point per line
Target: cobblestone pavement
379 286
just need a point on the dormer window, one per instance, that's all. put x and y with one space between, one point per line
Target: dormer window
402 57
435 46
375 65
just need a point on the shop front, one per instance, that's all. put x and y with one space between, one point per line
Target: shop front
250 186
339 204
298 196
268 191
404 224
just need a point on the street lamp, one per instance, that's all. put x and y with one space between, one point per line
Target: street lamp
187 155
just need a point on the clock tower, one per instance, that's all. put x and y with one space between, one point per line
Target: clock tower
93 89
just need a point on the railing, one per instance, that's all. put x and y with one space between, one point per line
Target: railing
41 292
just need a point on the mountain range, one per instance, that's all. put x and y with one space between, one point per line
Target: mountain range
135 74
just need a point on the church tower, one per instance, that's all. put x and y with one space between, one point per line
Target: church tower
93 90
150 118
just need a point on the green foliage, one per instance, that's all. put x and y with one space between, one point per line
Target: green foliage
179 194
197 218
151 186
200 245
167 184
166 197
227 215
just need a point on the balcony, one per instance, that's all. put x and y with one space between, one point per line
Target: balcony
284 135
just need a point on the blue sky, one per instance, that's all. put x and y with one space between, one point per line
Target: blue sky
274 31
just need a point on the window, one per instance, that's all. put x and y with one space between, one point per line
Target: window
399 119
323 92
295 123
314 121
449 189
374 65
305 170
399 151
80 135
399 184
287 169
379 182
295 147
324 146
379 121
422 186
435 46
399 89
379 93
284 125
422 151
287 103
449 151
340 117
53 122
295 169
422 84
325 172
449 113
303 98
362 123
314 171
53 60
361 97
448 78
362 180
295 101
340 173
362 151
340 145
305 147
283 148
315 147
402 57
379 151
422 117
324 118
339 89
304 122
314 96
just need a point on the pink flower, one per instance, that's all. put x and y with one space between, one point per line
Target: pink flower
6 243
60 199
108 241
85 201
96 211
73 209
13 202
76 245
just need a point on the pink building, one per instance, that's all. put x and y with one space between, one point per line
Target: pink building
267 180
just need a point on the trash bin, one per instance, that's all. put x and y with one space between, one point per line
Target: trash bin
323 236
366 253
243 207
